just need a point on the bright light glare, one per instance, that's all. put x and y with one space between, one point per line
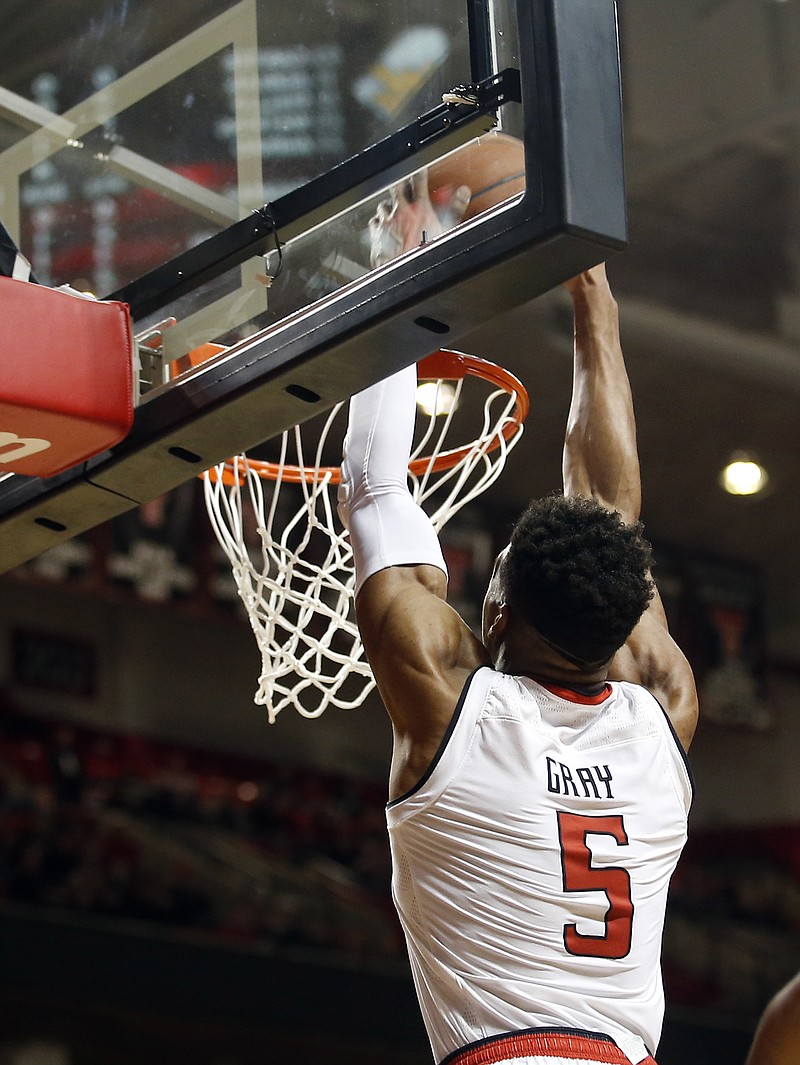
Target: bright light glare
743 477
247 791
433 398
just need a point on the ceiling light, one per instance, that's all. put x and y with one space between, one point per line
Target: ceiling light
743 476
436 397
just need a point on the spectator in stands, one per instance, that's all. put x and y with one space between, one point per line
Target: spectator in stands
65 766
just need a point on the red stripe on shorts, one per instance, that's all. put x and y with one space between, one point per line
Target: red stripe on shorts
543 1045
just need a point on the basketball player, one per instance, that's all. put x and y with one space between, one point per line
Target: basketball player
777 1038
538 789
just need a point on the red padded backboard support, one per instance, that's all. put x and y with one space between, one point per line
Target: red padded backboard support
66 378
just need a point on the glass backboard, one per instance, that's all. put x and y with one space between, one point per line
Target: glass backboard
215 165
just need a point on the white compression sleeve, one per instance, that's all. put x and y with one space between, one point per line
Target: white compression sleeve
386 526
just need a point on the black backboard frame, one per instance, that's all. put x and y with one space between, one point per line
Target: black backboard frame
572 216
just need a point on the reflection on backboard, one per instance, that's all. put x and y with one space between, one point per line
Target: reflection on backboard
217 166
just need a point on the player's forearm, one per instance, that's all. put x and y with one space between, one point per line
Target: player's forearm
600 454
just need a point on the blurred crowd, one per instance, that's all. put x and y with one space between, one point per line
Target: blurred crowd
126 827
732 936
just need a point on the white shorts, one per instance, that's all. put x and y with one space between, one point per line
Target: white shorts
543 1046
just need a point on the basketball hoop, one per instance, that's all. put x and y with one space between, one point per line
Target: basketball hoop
296 582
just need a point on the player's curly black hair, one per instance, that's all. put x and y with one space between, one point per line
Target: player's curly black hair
579 575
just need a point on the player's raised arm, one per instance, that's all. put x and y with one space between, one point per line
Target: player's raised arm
419 649
601 461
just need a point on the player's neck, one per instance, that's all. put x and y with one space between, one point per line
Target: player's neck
531 656
565 675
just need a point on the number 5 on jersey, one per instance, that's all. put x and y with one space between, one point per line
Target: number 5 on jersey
580 875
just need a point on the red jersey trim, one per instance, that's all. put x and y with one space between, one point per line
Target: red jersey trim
573 696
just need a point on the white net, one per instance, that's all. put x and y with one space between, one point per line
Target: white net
295 575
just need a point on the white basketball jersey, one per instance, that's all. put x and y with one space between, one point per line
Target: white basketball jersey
532 862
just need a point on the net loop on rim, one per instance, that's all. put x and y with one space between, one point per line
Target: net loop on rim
291 558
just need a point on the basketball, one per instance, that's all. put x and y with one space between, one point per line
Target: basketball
493 166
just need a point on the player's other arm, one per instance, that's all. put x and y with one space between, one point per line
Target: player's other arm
601 461
777 1038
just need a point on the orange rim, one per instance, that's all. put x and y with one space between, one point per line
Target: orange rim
442 365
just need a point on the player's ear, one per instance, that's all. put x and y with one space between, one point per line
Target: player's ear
498 621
